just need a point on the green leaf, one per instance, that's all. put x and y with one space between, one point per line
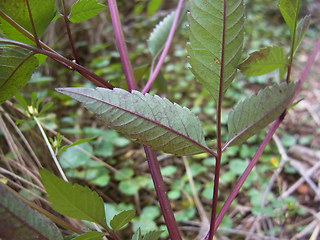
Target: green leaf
64 148
19 221
256 112
122 219
83 10
90 236
302 28
73 200
149 120
74 157
16 67
155 235
161 31
153 6
289 10
216 38
263 61
43 11
137 235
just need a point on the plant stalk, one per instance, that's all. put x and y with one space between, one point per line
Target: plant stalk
166 48
36 39
266 140
122 47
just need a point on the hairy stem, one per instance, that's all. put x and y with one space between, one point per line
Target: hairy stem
122 47
36 39
164 53
265 141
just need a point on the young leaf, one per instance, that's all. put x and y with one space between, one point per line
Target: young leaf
149 120
16 67
160 33
18 220
289 10
152 235
83 10
216 37
90 236
122 219
64 148
137 235
153 6
302 28
73 200
263 61
256 112
43 11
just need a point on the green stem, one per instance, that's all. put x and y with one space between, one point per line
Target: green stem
50 149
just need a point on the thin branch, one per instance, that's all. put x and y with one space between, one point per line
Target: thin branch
59 58
122 47
67 22
164 53
36 39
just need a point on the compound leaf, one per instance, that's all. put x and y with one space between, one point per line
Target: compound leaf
83 10
19 221
73 200
216 38
43 11
16 67
256 112
263 61
122 219
149 120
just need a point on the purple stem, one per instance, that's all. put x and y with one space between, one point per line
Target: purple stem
165 50
122 47
265 141
150 154
162 194
36 39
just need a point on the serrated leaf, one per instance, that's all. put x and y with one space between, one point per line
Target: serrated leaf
75 200
256 112
16 67
289 10
90 236
263 61
161 31
122 219
83 10
216 38
302 28
18 220
43 11
149 120
155 235
137 235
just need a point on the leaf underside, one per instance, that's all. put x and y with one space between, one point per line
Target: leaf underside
16 67
149 120
263 61
19 221
302 28
256 112
216 38
75 200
